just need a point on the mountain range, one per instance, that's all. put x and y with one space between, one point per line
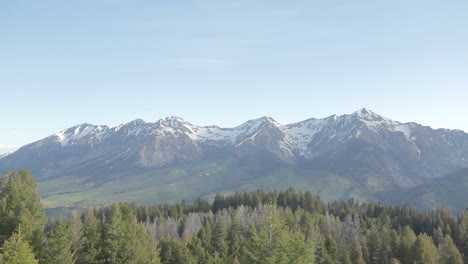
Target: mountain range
362 155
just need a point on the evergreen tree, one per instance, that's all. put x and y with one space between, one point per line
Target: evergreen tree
145 249
90 240
449 253
20 204
424 250
59 250
386 240
321 253
219 238
197 250
205 235
75 231
404 252
17 250
112 236
307 224
173 252
131 248
235 239
271 246
438 236
365 250
201 205
331 247
219 203
356 255
251 249
125 241
374 245
300 250
346 258
461 234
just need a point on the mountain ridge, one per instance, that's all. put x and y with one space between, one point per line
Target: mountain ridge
373 152
305 139
175 122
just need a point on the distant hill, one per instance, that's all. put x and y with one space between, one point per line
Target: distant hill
450 191
361 155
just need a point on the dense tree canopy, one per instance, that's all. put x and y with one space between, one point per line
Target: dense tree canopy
20 205
16 250
244 227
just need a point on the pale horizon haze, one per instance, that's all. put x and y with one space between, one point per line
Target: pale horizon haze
222 63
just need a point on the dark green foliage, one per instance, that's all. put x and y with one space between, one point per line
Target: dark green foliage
20 205
59 250
286 227
112 240
124 240
346 258
197 250
201 205
407 239
273 242
75 232
90 240
174 252
355 254
321 253
331 247
219 238
235 239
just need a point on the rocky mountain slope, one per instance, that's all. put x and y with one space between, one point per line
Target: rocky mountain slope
374 152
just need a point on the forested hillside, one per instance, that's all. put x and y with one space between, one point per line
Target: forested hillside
245 227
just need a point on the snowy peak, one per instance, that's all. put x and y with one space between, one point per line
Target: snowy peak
368 115
136 122
295 137
132 128
258 123
174 122
269 120
298 139
80 132
364 113
375 122
299 135
333 139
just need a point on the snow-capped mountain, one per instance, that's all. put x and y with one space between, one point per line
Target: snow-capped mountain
174 126
366 147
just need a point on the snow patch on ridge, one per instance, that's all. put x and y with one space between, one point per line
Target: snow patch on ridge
69 136
233 136
405 129
295 139
299 135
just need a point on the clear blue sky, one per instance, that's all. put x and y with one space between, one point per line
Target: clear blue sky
224 62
